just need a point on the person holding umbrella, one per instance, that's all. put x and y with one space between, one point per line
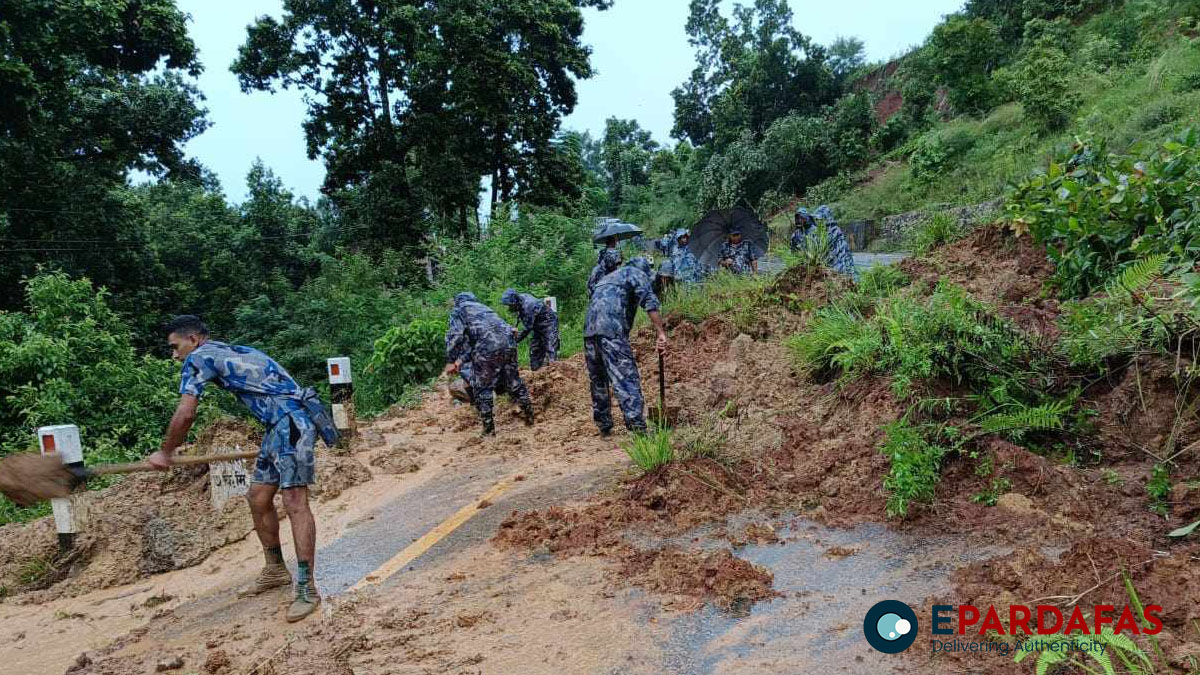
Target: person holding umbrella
609 356
736 255
609 258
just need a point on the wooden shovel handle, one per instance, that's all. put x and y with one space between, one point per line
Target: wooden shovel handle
186 460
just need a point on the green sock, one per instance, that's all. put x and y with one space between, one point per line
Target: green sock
304 572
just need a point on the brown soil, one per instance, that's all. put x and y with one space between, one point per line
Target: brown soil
717 576
998 268
146 524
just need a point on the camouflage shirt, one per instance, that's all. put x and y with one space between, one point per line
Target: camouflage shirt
529 309
475 328
740 255
261 384
839 258
615 301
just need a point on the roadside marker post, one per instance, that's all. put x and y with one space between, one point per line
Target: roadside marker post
341 393
63 440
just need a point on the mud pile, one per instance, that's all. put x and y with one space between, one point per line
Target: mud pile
145 524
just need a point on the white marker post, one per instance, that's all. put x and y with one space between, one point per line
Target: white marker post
63 440
341 391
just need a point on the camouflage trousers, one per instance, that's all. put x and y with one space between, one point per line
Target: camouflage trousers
497 370
543 343
610 362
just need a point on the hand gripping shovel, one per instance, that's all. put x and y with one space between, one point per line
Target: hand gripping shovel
27 478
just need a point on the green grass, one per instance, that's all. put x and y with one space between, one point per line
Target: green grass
651 450
1147 100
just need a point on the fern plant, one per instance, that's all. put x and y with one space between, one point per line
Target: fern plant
1097 647
1016 423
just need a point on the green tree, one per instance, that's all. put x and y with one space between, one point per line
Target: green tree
846 55
89 90
407 92
751 71
626 152
962 54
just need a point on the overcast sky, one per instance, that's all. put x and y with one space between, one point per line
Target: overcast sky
639 52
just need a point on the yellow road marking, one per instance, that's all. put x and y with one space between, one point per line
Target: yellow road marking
432 537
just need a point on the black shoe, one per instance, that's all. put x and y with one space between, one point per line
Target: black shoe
489 427
605 433
527 414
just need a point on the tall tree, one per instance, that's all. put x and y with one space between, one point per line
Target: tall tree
89 90
410 102
751 70
846 55
627 150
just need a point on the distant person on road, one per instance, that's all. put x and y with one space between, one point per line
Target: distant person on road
607 262
537 319
479 336
805 233
286 462
736 255
609 356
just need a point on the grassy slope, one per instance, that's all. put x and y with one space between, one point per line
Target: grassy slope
1148 99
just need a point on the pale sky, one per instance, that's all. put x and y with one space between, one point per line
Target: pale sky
639 52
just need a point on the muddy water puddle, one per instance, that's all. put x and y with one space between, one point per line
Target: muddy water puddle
828 579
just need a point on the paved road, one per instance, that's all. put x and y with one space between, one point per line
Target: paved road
862 259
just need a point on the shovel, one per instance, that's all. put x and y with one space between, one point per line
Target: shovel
27 478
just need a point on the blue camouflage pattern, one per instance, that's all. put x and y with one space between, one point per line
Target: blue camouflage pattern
478 335
255 379
840 258
740 256
616 299
287 455
610 363
607 262
684 263
538 319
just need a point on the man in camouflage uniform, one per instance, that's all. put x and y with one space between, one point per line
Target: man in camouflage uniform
839 258
609 356
736 255
286 462
539 319
683 262
480 335
607 262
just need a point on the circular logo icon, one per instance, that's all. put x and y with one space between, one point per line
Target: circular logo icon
890 626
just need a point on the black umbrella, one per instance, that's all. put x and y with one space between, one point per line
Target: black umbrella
711 233
615 228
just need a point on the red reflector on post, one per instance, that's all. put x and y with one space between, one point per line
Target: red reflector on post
335 369
48 444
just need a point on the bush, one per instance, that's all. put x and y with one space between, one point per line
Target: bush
1098 213
962 54
1043 82
936 150
405 356
915 467
938 230
70 360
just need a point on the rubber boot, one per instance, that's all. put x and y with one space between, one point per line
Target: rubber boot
489 426
271 577
527 413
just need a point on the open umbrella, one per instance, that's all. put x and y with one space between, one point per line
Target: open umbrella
615 228
711 233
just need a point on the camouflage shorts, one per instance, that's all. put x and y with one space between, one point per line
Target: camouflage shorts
288 455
